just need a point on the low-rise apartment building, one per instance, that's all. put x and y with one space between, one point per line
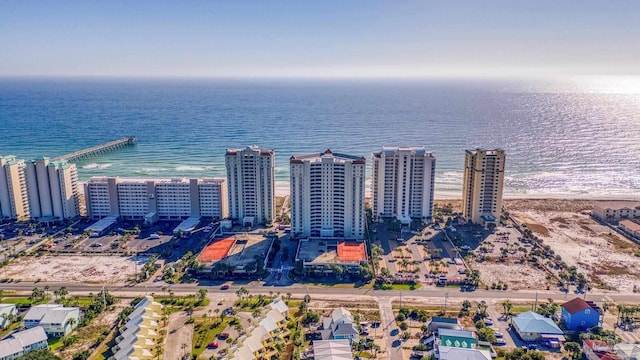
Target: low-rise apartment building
614 211
630 228
138 337
265 332
153 199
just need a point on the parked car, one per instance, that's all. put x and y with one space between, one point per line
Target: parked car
498 334
224 287
488 321
500 342
223 336
213 345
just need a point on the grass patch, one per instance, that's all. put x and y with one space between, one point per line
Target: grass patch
8 330
330 284
22 300
54 343
363 355
397 287
204 333
519 309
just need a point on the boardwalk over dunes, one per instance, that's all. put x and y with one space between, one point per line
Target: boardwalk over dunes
100 149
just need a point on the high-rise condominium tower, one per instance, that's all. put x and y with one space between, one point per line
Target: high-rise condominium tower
482 187
53 188
250 178
14 203
327 195
402 183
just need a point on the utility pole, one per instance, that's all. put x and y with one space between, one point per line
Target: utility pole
446 295
535 305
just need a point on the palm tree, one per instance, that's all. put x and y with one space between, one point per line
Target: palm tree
482 307
507 306
242 292
72 321
158 351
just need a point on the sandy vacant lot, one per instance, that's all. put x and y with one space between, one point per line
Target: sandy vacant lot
86 269
607 257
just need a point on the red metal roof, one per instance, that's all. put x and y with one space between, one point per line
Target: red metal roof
575 305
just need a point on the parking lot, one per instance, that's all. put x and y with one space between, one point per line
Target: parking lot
425 257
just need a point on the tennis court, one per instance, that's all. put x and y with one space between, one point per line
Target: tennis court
351 252
217 250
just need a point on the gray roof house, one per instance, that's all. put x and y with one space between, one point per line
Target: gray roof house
332 350
22 343
56 319
438 322
455 353
340 325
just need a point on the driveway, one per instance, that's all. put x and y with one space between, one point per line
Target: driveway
179 337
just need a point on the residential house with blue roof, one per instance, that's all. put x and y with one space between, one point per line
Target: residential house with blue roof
531 326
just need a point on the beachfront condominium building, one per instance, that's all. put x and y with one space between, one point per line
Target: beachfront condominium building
53 189
482 186
402 183
152 199
327 195
14 202
250 177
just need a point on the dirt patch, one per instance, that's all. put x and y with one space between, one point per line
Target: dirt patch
537 228
521 276
75 269
559 220
604 256
545 205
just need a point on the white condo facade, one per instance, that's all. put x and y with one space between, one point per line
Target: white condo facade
482 186
14 201
152 199
327 195
53 189
250 176
402 183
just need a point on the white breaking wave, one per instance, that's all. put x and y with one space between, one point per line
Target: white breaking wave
189 168
96 166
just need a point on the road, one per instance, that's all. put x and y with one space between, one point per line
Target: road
300 289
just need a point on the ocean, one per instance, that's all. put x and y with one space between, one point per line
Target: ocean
575 138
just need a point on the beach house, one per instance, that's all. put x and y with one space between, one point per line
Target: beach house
55 319
577 314
531 326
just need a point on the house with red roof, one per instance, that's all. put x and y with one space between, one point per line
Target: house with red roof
578 314
598 350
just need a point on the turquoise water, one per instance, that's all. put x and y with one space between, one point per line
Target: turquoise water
565 139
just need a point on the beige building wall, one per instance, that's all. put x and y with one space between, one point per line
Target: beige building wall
327 195
53 189
250 183
101 196
14 201
403 183
483 185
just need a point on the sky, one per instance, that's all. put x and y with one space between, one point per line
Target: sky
405 39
